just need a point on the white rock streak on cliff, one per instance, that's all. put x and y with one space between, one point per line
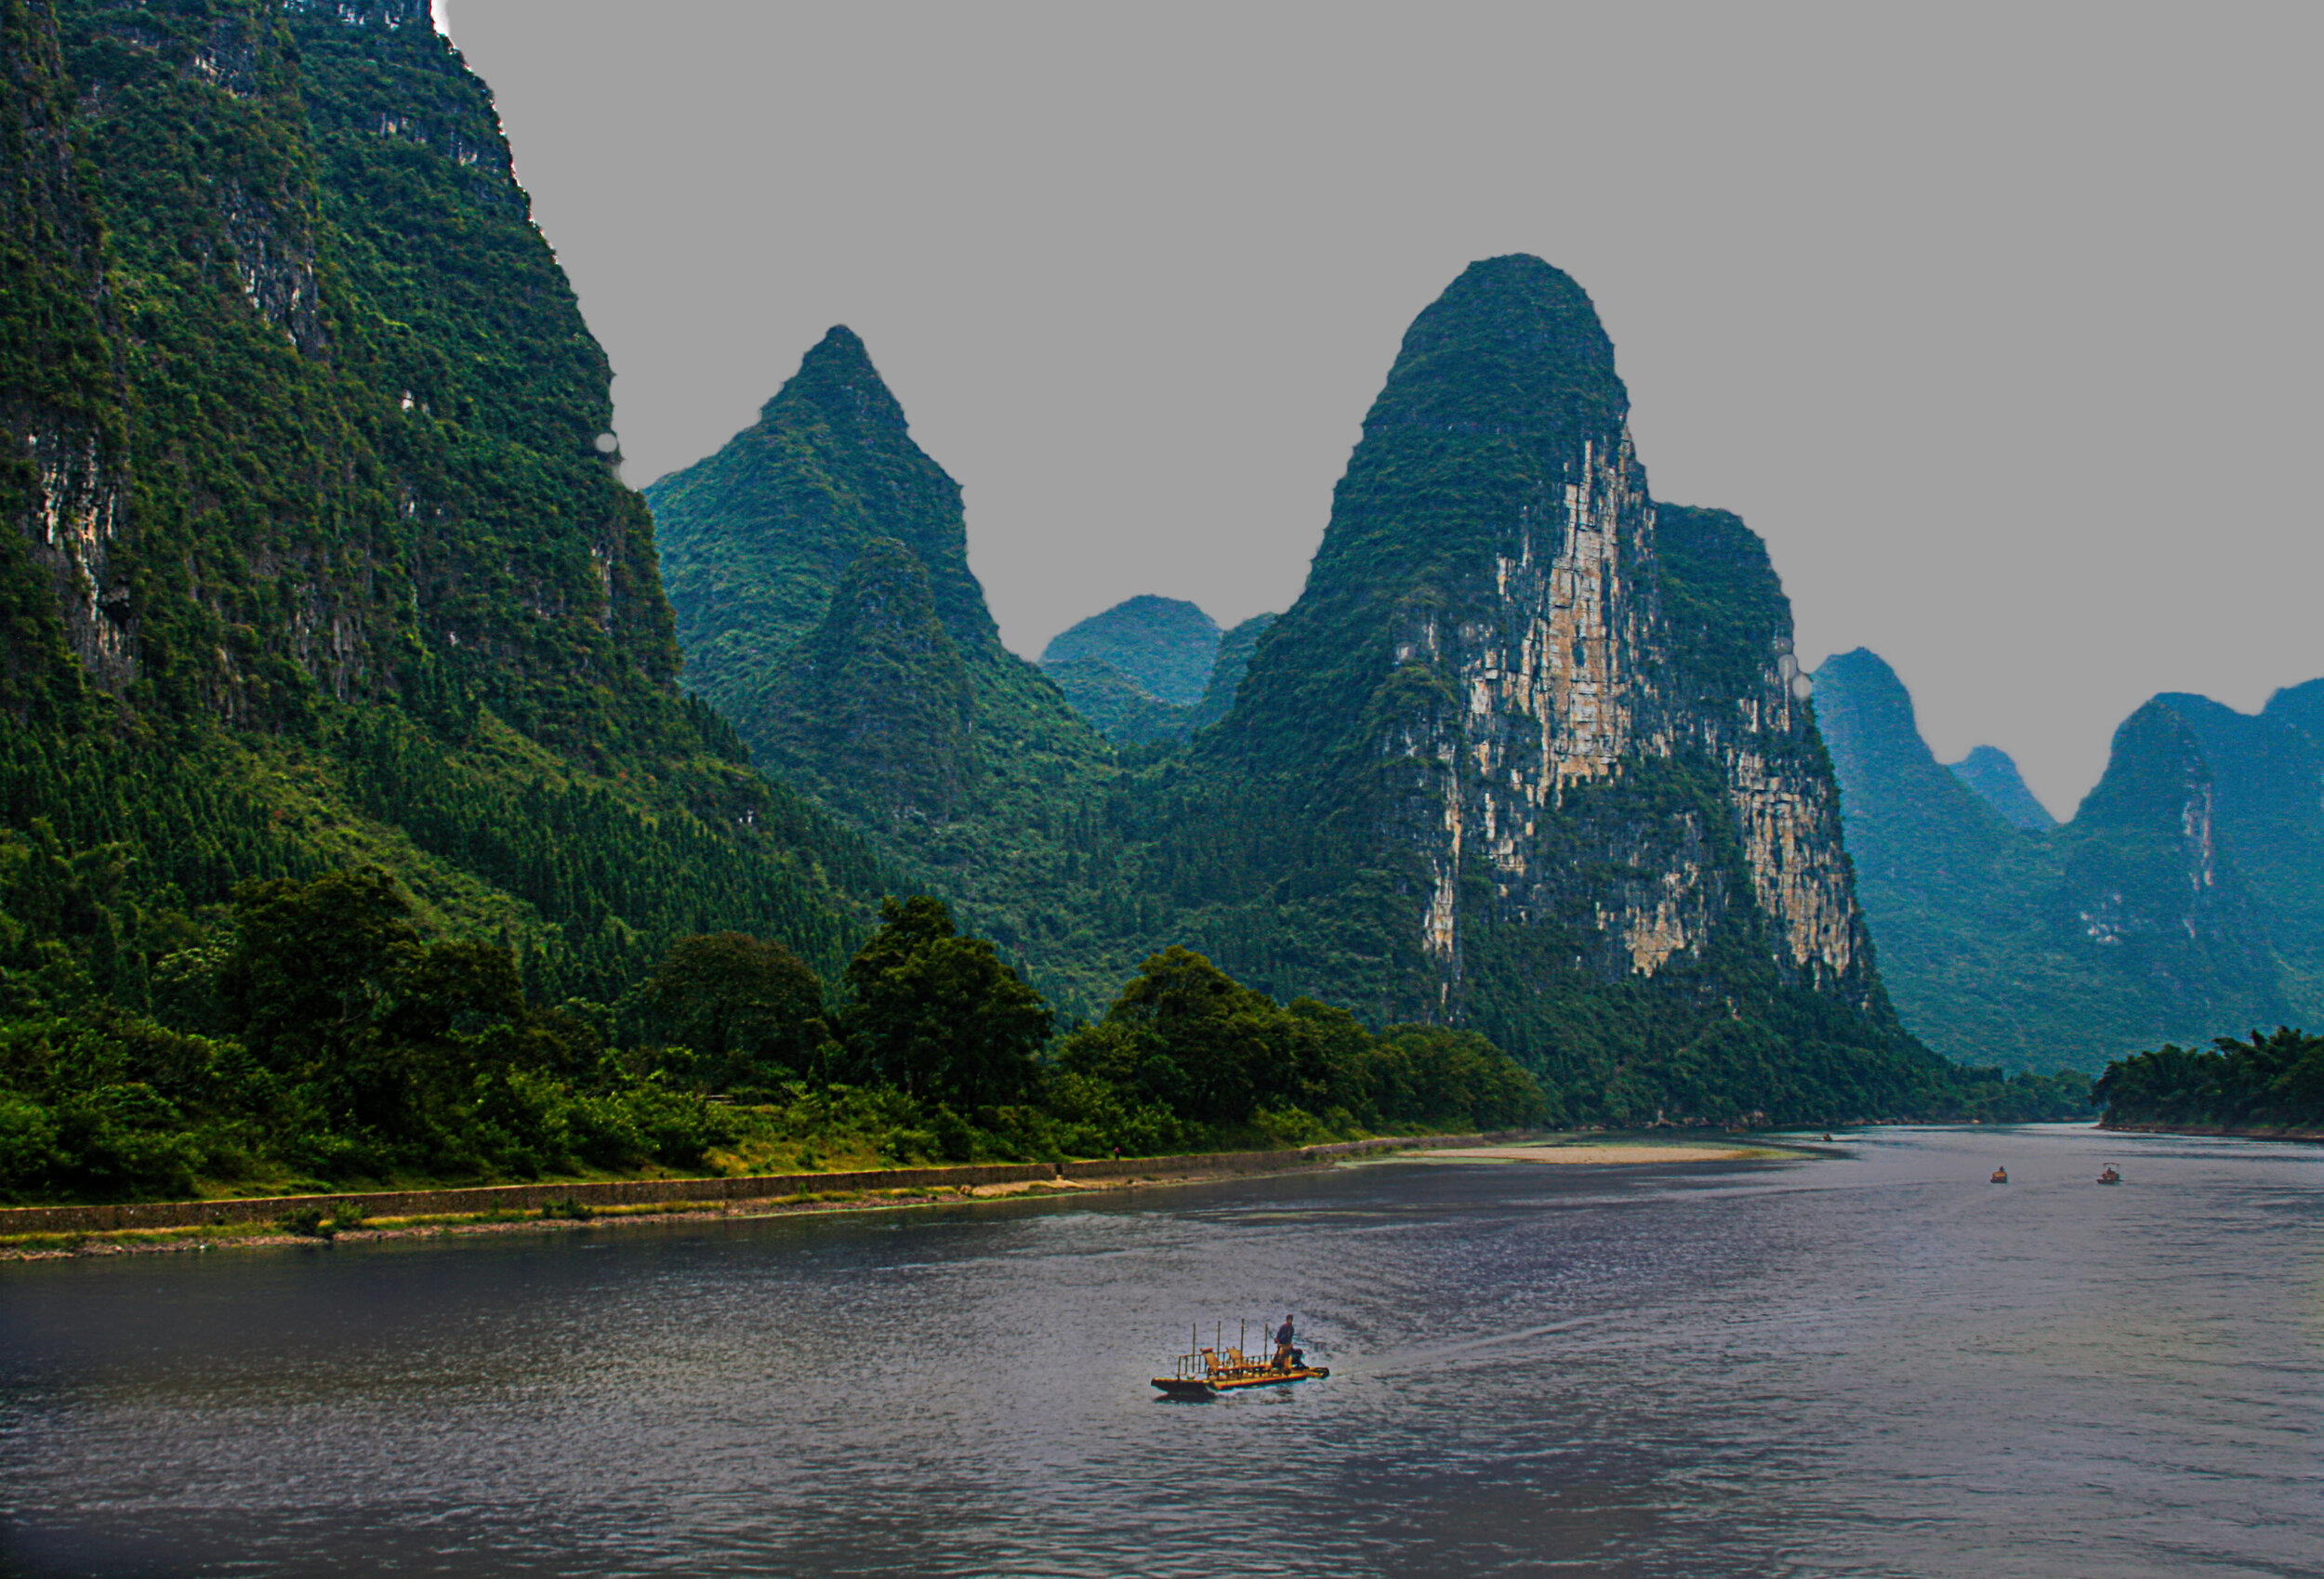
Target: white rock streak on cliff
1561 679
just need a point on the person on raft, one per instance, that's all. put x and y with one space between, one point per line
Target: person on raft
1283 1346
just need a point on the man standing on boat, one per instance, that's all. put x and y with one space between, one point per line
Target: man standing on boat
1283 1345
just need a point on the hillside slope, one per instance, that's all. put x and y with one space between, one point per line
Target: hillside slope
313 557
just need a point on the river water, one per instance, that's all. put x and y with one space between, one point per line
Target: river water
1872 1363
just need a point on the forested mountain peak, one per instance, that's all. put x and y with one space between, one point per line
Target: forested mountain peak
837 380
2156 775
1992 774
756 536
1513 346
1528 744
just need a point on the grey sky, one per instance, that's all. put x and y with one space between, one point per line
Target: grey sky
1997 322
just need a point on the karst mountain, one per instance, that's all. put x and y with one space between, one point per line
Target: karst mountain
2182 902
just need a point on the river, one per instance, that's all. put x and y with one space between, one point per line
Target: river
1873 1362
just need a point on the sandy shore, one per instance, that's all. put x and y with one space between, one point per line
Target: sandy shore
1598 1153
148 1241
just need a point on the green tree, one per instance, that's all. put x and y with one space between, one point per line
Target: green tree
1196 1040
941 1015
314 964
749 1008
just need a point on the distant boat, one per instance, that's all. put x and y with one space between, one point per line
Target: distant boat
2111 1176
1206 1373
2001 1176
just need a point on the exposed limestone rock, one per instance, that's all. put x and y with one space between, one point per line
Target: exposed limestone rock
77 514
1582 705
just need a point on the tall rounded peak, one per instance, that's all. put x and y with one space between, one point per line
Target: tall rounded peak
1513 346
837 378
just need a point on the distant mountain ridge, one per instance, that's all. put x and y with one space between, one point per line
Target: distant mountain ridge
1152 669
1164 646
2183 899
1992 774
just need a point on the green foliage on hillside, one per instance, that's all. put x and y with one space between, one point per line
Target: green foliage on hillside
1164 645
1114 705
819 565
1185 1045
2273 1082
1235 649
754 537
341 1046
1992 776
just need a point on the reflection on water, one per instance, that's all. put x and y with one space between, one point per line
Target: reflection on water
1869 1363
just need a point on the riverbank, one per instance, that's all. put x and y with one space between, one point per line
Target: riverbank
1601 1153
46 1233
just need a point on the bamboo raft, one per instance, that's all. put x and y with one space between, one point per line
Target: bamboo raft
1207 1372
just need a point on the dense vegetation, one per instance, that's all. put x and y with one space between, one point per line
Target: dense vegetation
2272 1082
1115 705
332 1043
2184 894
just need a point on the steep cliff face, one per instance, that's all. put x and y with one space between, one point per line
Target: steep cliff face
1568 707
364 448
2138 922
63 453
313 551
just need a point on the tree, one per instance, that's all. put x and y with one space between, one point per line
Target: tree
748 1007
941 1015
313 963
1204 1044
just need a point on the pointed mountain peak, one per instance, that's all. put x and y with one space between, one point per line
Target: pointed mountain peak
837 378
1513 346
1992 774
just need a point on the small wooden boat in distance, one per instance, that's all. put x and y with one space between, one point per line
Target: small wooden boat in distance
2111 1175
1207 1372
2001 1176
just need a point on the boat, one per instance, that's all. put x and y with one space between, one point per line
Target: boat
1207 1372
2001 1176
2111 1175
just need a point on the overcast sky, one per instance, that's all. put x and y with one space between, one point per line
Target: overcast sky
1999 321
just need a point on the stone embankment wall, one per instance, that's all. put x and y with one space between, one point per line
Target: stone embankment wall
686 1192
